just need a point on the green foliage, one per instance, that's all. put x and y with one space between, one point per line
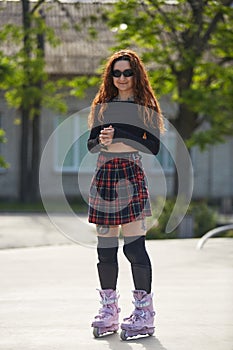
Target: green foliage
3 163
79 85
228 234
160 215
6 68
3 139
2 136
92 32
204 219
22 73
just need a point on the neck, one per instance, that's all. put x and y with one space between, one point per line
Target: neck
125 96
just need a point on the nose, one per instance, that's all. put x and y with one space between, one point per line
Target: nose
122 77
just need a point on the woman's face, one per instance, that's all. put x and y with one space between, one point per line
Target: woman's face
122 83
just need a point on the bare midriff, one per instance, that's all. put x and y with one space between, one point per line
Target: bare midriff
119 147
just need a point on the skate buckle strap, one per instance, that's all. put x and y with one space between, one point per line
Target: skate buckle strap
137 314
141 304
108 301
104 311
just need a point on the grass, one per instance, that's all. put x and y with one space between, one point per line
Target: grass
38 207
21 207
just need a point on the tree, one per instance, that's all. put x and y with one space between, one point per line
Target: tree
29 87
188 45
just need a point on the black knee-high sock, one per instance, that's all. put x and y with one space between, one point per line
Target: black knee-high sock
108 263
135 251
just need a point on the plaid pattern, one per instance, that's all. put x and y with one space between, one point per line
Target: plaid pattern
118 193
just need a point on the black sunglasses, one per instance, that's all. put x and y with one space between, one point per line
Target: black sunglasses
127 73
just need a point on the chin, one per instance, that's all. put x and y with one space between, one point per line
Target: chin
123 88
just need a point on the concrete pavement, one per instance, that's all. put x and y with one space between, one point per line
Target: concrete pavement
48 296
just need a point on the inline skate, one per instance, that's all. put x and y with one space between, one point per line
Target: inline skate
108 318
141 321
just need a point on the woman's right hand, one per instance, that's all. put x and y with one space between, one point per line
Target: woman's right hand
106 136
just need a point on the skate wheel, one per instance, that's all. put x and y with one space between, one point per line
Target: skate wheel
96 332
123 335
151 332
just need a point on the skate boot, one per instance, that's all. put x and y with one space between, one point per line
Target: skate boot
108 318
141 321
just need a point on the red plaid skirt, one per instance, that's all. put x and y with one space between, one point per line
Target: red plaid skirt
118 192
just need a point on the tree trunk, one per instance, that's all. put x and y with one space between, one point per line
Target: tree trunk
30 127
185 123
25 130
35 161
24 157
183 177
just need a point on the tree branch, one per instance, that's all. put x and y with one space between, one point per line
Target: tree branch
169 59
211 28
33 10
158 8
67 12
197 10
213 24
225 60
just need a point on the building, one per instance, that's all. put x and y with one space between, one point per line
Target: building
78 54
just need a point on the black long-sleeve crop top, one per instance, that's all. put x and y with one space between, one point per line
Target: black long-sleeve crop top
129 128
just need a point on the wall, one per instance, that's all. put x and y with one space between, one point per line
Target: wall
213 169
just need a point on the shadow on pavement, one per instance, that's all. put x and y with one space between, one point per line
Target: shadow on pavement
147 342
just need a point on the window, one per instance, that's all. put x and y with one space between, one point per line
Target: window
168 142
72 135
71 153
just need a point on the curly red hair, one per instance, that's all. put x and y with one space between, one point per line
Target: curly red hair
143 93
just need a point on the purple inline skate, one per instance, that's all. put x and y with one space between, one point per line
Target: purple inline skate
108 318
141 321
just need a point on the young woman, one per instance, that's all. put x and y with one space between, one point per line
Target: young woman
125 118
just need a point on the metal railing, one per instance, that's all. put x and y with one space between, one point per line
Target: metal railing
212 233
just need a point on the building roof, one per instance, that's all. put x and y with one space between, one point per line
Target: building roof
78 53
